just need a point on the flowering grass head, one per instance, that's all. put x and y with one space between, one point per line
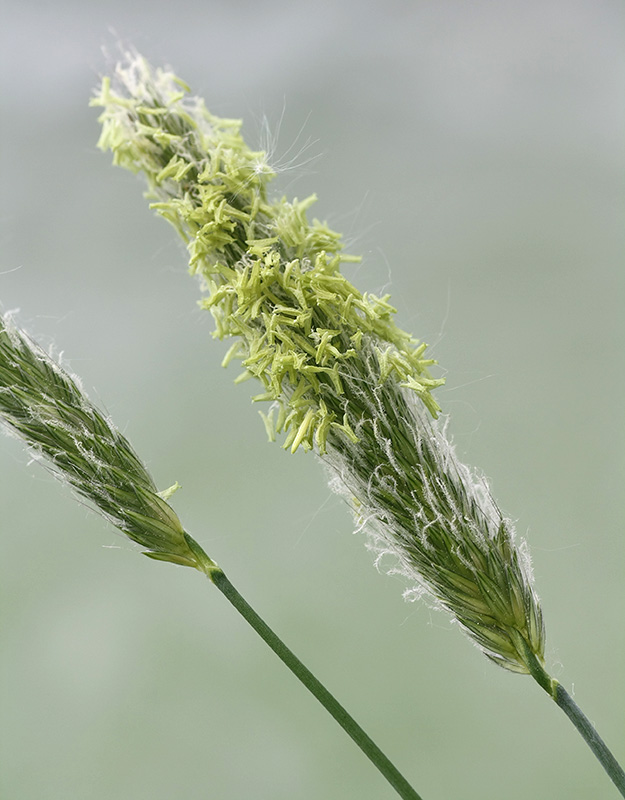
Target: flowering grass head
342 378
273 278
47 408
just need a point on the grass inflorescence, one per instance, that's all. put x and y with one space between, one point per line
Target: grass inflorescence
341 377
47 407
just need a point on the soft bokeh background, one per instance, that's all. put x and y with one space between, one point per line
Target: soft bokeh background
473 152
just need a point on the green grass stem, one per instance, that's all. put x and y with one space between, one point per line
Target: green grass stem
591 737
587 730
303 674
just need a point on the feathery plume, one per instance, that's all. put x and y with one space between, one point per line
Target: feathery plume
342 378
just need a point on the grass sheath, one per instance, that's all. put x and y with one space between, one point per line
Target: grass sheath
48 409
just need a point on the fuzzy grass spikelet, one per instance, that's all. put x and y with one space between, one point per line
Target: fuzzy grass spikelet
47 408
342 378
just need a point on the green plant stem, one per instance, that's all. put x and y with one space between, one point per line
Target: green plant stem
562 698
349 725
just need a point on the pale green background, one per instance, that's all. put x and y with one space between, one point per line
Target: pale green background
473 152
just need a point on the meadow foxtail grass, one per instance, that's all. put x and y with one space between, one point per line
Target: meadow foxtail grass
339 376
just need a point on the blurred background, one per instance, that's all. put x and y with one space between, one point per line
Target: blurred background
473 154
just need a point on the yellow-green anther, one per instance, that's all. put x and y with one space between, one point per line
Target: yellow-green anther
170 491
269 425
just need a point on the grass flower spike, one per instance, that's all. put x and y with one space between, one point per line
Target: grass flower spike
342 378
44 405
